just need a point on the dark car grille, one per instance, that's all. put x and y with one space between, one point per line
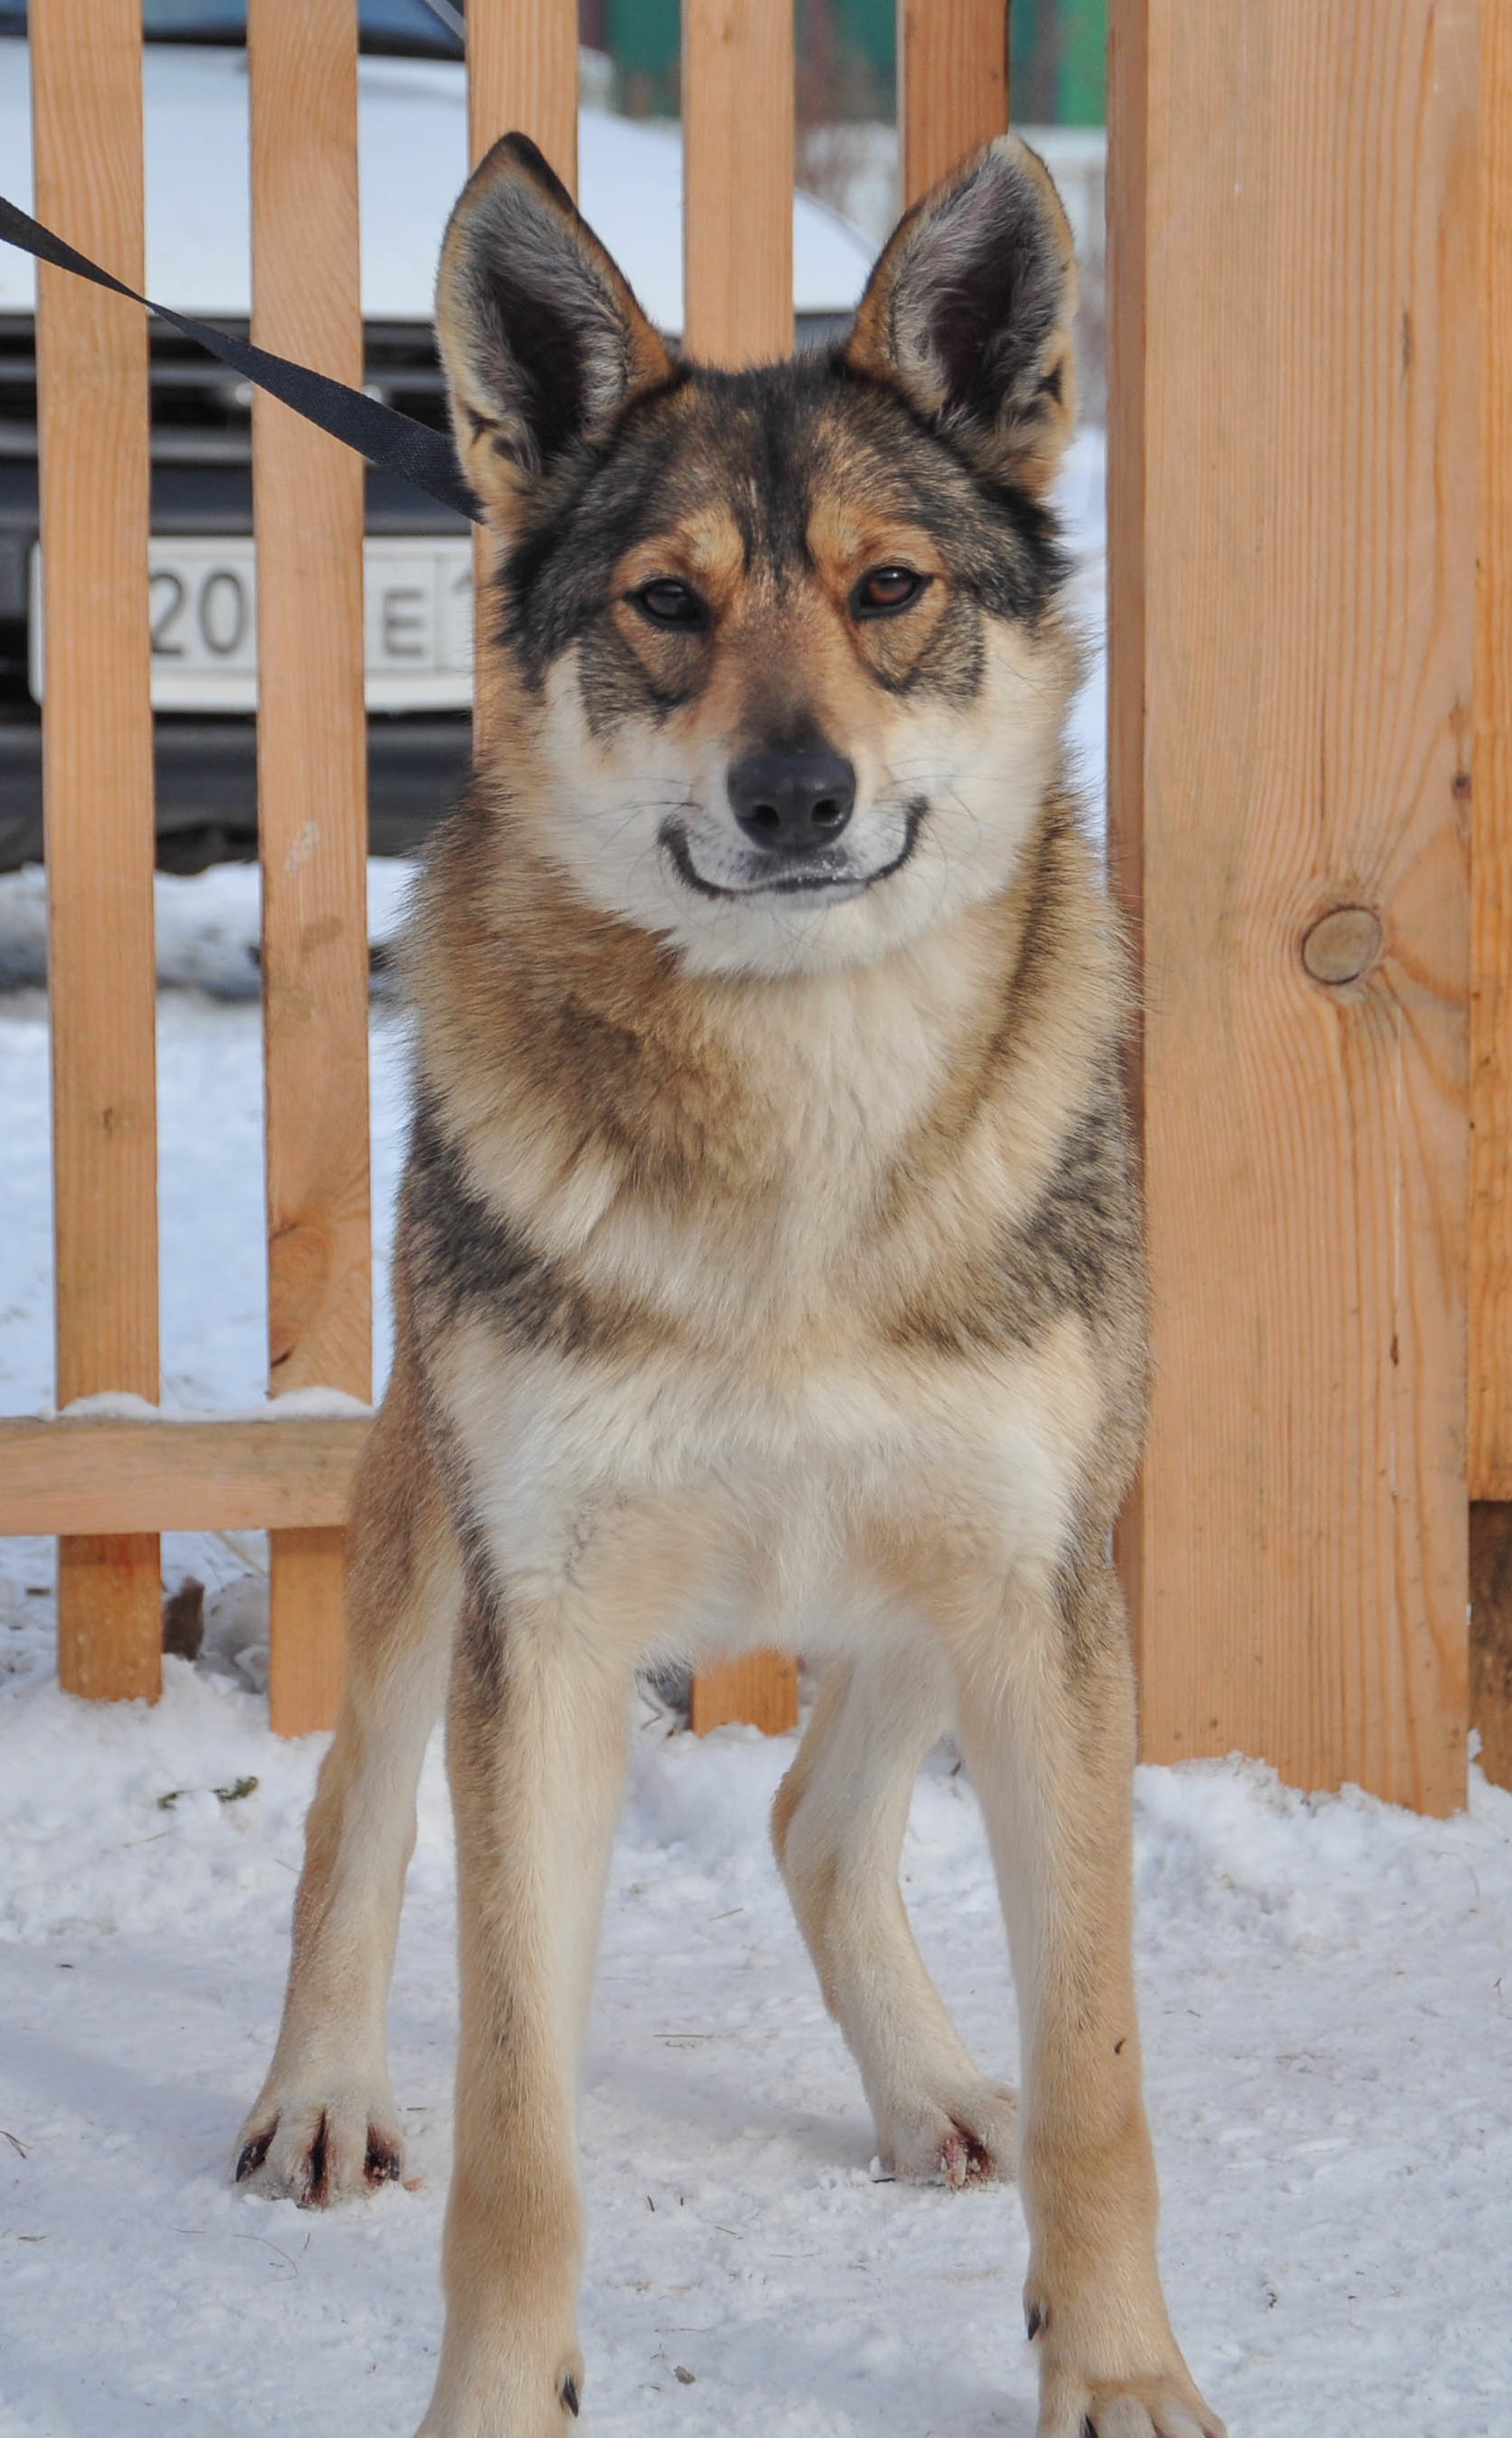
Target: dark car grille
201 451
201 411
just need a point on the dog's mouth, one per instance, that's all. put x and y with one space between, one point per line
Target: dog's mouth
831 877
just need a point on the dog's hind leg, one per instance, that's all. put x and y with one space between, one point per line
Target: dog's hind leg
324 2126
838 1825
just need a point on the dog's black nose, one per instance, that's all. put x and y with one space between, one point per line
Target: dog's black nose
795 803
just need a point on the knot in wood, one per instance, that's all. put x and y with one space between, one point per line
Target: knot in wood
1343 944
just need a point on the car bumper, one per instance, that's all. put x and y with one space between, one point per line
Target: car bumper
207 787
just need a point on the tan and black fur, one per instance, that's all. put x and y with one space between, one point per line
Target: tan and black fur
769 1261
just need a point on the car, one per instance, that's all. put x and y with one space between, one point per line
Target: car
412 161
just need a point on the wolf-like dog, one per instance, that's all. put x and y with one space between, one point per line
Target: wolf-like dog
769 1261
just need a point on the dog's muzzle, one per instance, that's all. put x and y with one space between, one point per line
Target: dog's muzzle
808 870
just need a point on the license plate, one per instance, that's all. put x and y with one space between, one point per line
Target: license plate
202 597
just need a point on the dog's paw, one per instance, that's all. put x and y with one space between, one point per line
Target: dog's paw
1139 2407
486 2401
316 2148
1160 2403
964 2136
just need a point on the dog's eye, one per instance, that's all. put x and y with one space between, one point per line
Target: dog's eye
887 589
667 603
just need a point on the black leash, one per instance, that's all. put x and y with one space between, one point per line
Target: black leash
380 433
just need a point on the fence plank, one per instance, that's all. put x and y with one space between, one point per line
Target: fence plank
738 139
1490 1332
1490 1289
1127 257
521 74
311 785
79 1473
1289 743
86 75
952 84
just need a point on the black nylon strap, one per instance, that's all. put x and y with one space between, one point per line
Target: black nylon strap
396 442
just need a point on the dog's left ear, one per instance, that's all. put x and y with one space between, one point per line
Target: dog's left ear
968 313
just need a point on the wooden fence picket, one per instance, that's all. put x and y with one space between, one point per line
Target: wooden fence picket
91 383
1294 274
737 257
738 140
1490 1285
952 84
311 788
521 76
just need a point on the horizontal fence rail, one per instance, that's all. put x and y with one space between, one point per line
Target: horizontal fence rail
80 1473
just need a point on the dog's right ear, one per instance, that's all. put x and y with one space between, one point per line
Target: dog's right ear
544 344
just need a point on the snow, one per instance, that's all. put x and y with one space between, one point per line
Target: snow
1325 1989
292 1405
1329 2075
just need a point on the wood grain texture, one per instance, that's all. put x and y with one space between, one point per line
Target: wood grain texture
1127 259
952 84
759 1690
737 256
307 1648
1490 1279
78 1474
86 73
521 74
312 782
1290 695
1491 1292
738 137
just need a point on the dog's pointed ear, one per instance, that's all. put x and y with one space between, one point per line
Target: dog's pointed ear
968 314
544 344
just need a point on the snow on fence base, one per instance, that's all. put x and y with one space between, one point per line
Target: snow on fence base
1293 416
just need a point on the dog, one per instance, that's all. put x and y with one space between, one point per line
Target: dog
769 1260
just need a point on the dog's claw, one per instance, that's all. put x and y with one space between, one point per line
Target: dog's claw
315 2154
254 2154
383 2164
569 2394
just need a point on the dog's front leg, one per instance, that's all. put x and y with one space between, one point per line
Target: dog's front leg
1048 1726
537 1737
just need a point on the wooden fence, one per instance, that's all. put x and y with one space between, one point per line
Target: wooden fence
1294 279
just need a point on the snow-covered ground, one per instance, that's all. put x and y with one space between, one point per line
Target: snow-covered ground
1327 2022
1327 1984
